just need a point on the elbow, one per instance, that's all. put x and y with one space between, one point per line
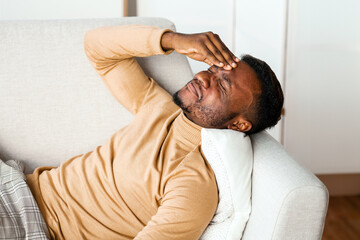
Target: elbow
90 38
88 44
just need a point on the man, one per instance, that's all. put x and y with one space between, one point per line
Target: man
150 180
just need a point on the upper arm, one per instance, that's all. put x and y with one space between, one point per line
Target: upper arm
111 51
188 205
132 88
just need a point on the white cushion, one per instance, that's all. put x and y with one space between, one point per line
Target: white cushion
230 155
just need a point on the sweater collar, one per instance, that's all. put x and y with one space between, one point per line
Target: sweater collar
188 129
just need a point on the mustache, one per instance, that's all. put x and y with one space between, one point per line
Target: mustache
200 89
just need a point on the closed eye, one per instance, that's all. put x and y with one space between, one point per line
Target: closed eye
219 80
221 85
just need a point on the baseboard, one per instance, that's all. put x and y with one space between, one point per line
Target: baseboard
341 184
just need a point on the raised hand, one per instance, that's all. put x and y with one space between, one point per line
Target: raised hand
206 47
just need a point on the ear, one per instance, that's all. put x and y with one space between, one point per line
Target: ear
240 125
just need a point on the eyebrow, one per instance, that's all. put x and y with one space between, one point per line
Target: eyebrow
223 75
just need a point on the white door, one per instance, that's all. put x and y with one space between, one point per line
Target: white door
192 16
323 84
261 32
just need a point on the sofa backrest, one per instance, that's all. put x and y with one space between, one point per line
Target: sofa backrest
53 104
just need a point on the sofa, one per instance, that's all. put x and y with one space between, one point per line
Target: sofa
54 106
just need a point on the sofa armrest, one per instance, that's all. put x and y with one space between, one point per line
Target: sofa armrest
288 201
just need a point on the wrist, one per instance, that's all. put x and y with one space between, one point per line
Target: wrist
167 41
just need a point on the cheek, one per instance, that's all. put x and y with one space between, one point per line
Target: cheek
217 101
216 104
243 103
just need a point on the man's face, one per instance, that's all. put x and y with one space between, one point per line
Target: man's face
217 98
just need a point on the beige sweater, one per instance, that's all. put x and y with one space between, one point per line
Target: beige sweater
150 180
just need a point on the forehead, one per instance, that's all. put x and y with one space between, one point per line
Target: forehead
244 77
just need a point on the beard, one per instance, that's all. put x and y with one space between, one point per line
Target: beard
178 101
203 115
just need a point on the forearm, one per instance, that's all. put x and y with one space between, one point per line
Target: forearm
107 46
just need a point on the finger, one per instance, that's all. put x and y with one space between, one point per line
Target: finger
215 51
208 62
211 57
236 59
228 55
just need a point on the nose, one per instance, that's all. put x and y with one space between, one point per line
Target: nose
204 79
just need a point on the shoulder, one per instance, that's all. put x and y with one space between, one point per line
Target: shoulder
195 172
196 160
158 97
194 187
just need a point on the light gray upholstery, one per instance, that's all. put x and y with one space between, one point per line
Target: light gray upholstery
54 106
288 201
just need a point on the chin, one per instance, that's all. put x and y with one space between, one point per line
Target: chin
182 98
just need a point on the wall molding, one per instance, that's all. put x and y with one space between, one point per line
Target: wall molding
341 184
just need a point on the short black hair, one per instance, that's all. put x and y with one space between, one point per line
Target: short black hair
269 103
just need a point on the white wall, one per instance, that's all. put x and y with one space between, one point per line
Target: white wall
323 84
256 27
59 9
192 16
261 31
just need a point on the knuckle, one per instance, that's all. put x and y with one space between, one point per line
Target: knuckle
228 56
204 49
224 48
200 42
211 58
203 37
217 52
229 59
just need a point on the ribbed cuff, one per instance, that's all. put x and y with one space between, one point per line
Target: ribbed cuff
155 41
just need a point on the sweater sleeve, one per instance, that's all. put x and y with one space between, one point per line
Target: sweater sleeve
188 205
111 51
